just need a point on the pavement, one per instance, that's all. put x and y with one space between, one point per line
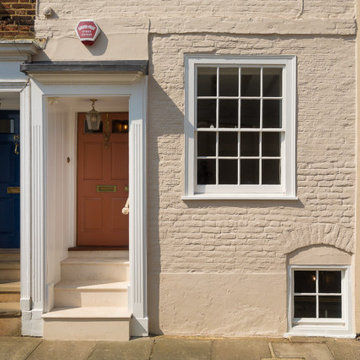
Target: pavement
181 348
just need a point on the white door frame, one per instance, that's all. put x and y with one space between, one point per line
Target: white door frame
137 93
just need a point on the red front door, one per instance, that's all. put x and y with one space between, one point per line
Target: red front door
102 182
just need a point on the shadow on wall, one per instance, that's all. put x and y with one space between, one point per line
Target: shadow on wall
165 119
165 163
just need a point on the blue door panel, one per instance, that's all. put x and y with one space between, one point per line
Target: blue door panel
9 178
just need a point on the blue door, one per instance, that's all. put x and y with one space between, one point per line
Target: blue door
9 179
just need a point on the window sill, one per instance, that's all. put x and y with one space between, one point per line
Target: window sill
239 197
323 331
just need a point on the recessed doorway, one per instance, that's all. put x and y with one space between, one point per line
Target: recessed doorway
103 182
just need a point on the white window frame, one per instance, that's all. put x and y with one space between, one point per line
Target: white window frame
335 327
287 189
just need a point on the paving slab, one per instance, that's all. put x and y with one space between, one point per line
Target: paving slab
173 348
17 348
308 351
137 349
59 350
345 349
240 349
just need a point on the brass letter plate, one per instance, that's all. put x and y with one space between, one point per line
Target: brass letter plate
13 190
106 188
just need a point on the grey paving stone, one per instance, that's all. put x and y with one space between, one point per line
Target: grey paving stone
169 348
138 349
240 349
17 348
60 350
309 351
345 349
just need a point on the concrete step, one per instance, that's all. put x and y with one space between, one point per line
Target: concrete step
87 323
98 268
9 255
9 291
89 293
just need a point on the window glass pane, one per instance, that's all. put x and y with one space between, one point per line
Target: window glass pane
272 81
330 307
270 172
305 281
228 171
249 171
228 81
228 113
304 306
206 113
7 126
206 173
270 144
87 131
206 85
249 144
228 143
272 113
206 143
329 281
250 82
250 113
120 126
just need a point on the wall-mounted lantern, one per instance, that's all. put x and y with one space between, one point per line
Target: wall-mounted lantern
93 117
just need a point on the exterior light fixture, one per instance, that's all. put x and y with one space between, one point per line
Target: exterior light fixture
93 117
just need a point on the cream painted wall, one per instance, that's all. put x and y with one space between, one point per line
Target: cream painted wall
231 240
59 188
219 267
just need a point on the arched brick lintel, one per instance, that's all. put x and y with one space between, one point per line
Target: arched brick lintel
319 234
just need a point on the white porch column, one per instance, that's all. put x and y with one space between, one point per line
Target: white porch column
25 210
38 214
137 214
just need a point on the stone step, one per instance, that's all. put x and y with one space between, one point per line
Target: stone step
9 255
9 291
9 270
10 309
87 323
92 254
88 293
98 268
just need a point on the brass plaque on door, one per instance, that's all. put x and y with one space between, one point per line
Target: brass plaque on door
13 190
106 188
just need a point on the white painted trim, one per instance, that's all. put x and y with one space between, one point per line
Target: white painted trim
137 94
25 206
342 328
250 196
287 189
98 79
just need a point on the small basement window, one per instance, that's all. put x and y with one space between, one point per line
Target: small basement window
319 300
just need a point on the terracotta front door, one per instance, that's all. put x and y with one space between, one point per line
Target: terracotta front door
102 182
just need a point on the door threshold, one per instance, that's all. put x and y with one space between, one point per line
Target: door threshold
98 248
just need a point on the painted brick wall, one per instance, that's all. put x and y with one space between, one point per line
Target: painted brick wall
17 18
219 267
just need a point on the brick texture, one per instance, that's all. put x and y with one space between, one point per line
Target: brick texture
17 18
237 239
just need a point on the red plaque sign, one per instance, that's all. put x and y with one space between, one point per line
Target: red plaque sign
87 31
